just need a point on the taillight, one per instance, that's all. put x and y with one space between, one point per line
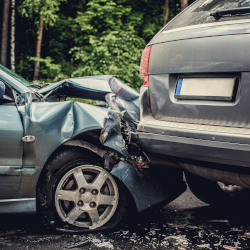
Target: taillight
144 65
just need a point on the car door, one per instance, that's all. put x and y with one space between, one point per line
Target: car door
11 145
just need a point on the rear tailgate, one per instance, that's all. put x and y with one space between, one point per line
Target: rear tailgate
211 57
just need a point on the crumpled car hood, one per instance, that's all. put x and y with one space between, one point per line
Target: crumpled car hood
119 96
88 87
53 123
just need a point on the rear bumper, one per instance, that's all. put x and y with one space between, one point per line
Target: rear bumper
215 144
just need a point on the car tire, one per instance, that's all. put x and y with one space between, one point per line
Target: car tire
75 193
212 192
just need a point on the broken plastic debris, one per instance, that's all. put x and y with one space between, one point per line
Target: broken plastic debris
246 235
182 248
106 244
203 245
218 221
77 244
229 247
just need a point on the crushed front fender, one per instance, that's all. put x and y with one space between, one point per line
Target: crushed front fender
150 187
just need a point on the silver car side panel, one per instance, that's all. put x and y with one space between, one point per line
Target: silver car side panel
11 151
18 205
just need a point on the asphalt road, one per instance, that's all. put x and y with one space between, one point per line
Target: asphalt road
186 223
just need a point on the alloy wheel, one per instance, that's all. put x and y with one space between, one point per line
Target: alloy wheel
86 196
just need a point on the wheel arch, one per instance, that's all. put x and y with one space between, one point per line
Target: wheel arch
88 141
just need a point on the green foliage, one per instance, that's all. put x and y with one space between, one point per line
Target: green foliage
117 53
82 100
108 42
88 37
46 8
53 71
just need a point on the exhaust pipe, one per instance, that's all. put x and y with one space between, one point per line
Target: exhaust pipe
226 177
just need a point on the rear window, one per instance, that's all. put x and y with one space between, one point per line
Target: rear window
199 13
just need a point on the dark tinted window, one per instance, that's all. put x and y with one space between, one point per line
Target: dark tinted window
199 13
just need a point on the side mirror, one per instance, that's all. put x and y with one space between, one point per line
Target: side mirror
2 90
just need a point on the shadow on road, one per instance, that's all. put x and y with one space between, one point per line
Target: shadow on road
184 224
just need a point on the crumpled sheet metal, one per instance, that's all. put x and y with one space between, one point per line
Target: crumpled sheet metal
111 135
119 96
148 188
54 123
124 100
88 87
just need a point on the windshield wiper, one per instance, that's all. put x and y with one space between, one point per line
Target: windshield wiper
219 13
39 96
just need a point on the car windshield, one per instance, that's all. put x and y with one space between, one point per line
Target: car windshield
14 75
199 13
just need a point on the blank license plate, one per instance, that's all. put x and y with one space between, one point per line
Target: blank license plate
205 88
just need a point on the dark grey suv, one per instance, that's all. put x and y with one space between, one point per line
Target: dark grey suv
195 102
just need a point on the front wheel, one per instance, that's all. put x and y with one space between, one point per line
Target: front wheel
76 194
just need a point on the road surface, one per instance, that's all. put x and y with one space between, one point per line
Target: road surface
186 223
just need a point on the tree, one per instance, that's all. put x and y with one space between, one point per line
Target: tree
166 13
47 13
108 42
88 37
4 42
12 39
184 4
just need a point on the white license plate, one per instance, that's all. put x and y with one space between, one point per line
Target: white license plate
205 88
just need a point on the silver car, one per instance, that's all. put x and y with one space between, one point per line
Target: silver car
74 163
195 100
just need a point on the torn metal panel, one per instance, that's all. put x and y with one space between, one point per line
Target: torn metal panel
150 188
124 99
111 134
122 91
54 123
88 87
119 96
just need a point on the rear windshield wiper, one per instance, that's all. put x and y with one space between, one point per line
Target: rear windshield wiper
219 13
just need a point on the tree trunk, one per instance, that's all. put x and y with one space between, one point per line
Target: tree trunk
12 39
184 4
166 14
4 43
38 48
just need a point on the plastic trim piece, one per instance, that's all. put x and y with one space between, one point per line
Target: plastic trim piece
18 205
17 170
